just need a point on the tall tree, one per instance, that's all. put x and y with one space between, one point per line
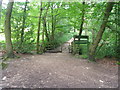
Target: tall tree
7 31
45 28
118 31
52 38
94 46
23 22
82 19
44 31
0 8
44 23
38 31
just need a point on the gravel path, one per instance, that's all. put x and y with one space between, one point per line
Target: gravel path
58 70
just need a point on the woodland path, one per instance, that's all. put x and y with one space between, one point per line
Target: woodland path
58 70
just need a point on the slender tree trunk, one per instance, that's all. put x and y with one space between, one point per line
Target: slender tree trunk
7 31
93 47
118 46
52 38
118 33
38 32
48 25
23 22
82 20
93 35
44 23
43 47
45 28
0 9
74 27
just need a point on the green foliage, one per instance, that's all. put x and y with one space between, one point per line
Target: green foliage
2 46
67 17
60 39
84 56
63 38
106 51
27 47
118 63
3 65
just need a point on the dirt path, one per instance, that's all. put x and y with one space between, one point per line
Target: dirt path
58 70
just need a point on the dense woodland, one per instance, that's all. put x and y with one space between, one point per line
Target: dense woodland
29 27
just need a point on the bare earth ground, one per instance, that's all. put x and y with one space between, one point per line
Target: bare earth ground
58 70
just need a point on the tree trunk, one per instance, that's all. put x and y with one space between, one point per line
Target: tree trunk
38 32
82 20
0 9
118 46
7 31
52 37
42 47
48 25
93 35
45 28
74 28
118 33
23 22
93 47
44 23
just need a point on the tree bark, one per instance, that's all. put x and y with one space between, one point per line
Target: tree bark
23 22
48 25
93 47
93 35
118 33
82 20
52 37
118 46
0 9
74 27
7 31
44 23
45 28
38 32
